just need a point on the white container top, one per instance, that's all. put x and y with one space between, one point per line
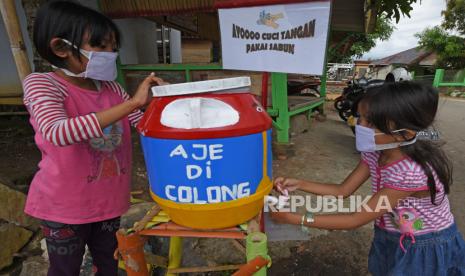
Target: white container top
201 87
198 112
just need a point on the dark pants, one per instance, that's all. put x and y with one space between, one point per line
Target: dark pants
66 246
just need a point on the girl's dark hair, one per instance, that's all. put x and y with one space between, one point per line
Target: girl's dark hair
69 20
409 105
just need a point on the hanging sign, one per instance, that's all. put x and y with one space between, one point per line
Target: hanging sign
278 38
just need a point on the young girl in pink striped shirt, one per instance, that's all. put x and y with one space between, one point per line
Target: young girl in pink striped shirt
81 118
417 234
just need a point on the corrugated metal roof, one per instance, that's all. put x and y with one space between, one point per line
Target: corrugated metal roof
347 15
148 8
429 60
407 57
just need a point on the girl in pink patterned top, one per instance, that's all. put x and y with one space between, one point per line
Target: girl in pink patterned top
417 233
81 118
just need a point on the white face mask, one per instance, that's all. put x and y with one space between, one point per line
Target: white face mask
100 65
365 140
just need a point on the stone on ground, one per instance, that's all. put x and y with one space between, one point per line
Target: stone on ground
13 208
12 239
36 266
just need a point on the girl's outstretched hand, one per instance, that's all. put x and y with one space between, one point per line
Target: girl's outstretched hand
142 96
283 184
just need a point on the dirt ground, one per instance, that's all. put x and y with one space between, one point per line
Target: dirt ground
325 153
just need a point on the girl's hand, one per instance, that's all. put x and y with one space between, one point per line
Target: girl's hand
142 96
283 217
290 184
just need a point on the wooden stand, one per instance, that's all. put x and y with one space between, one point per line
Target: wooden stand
131 250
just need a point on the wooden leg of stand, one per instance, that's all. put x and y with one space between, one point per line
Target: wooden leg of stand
131 249
175 254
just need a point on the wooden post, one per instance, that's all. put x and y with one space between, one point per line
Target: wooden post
18 48
175 254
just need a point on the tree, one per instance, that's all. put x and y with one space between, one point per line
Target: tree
394 8
355 44
454 16
450 49
365 42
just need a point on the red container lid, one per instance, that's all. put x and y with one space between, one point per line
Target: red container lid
252 118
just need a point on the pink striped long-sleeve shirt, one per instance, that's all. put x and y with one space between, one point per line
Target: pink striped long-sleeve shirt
85 172
44 96
416 215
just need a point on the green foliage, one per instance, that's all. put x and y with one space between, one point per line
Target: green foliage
361 42
454 16
459 76
387 11
365 42
395 8
449 48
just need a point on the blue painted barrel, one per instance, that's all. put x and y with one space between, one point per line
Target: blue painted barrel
209 177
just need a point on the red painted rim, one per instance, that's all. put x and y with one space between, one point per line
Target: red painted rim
252 119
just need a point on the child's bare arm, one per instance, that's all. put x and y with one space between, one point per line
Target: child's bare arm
140 98
45 102
381 203
356 178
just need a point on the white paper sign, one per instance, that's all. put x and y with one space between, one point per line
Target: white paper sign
279 38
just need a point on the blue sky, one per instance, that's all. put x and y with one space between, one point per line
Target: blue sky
426 14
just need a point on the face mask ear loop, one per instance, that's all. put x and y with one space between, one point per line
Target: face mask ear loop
395 145
85 53
69 43
411 139
406 140
392 132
